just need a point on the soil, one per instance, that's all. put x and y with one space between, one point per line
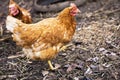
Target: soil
93 54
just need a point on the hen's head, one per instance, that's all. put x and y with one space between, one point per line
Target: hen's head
13 8
73 9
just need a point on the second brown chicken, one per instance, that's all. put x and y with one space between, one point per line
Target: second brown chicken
18 12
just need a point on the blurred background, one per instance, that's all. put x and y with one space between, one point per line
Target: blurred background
94 53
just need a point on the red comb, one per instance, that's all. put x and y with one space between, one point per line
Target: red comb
72 5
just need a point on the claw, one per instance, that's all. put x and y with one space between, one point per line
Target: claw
65 47
50 65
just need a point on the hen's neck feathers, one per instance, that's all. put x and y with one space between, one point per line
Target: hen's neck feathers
64 16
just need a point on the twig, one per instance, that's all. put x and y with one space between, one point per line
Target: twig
1 30
16 56
9 76
45 77
13 56
102 11
110 12
102 8
5 38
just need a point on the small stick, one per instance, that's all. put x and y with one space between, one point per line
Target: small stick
15 56
5 38
1 30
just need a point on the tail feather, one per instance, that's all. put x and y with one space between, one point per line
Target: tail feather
11 23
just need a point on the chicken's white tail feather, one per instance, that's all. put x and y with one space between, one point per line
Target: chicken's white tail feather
11 23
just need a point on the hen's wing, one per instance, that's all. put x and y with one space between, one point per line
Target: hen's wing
46 33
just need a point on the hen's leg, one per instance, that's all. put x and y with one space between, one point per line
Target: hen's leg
50 65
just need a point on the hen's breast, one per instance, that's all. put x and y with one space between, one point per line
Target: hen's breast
45 54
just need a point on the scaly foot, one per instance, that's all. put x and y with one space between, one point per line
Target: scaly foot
51 66
65 47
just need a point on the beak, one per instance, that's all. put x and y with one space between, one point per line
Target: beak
78 11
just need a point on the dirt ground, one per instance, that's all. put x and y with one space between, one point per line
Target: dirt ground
93 54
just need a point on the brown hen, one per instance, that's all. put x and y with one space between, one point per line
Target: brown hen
47 37
20 13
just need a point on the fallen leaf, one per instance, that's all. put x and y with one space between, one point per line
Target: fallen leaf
57 66
88 71
101 49
69 69
72 66
44 73
76 78
107 65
